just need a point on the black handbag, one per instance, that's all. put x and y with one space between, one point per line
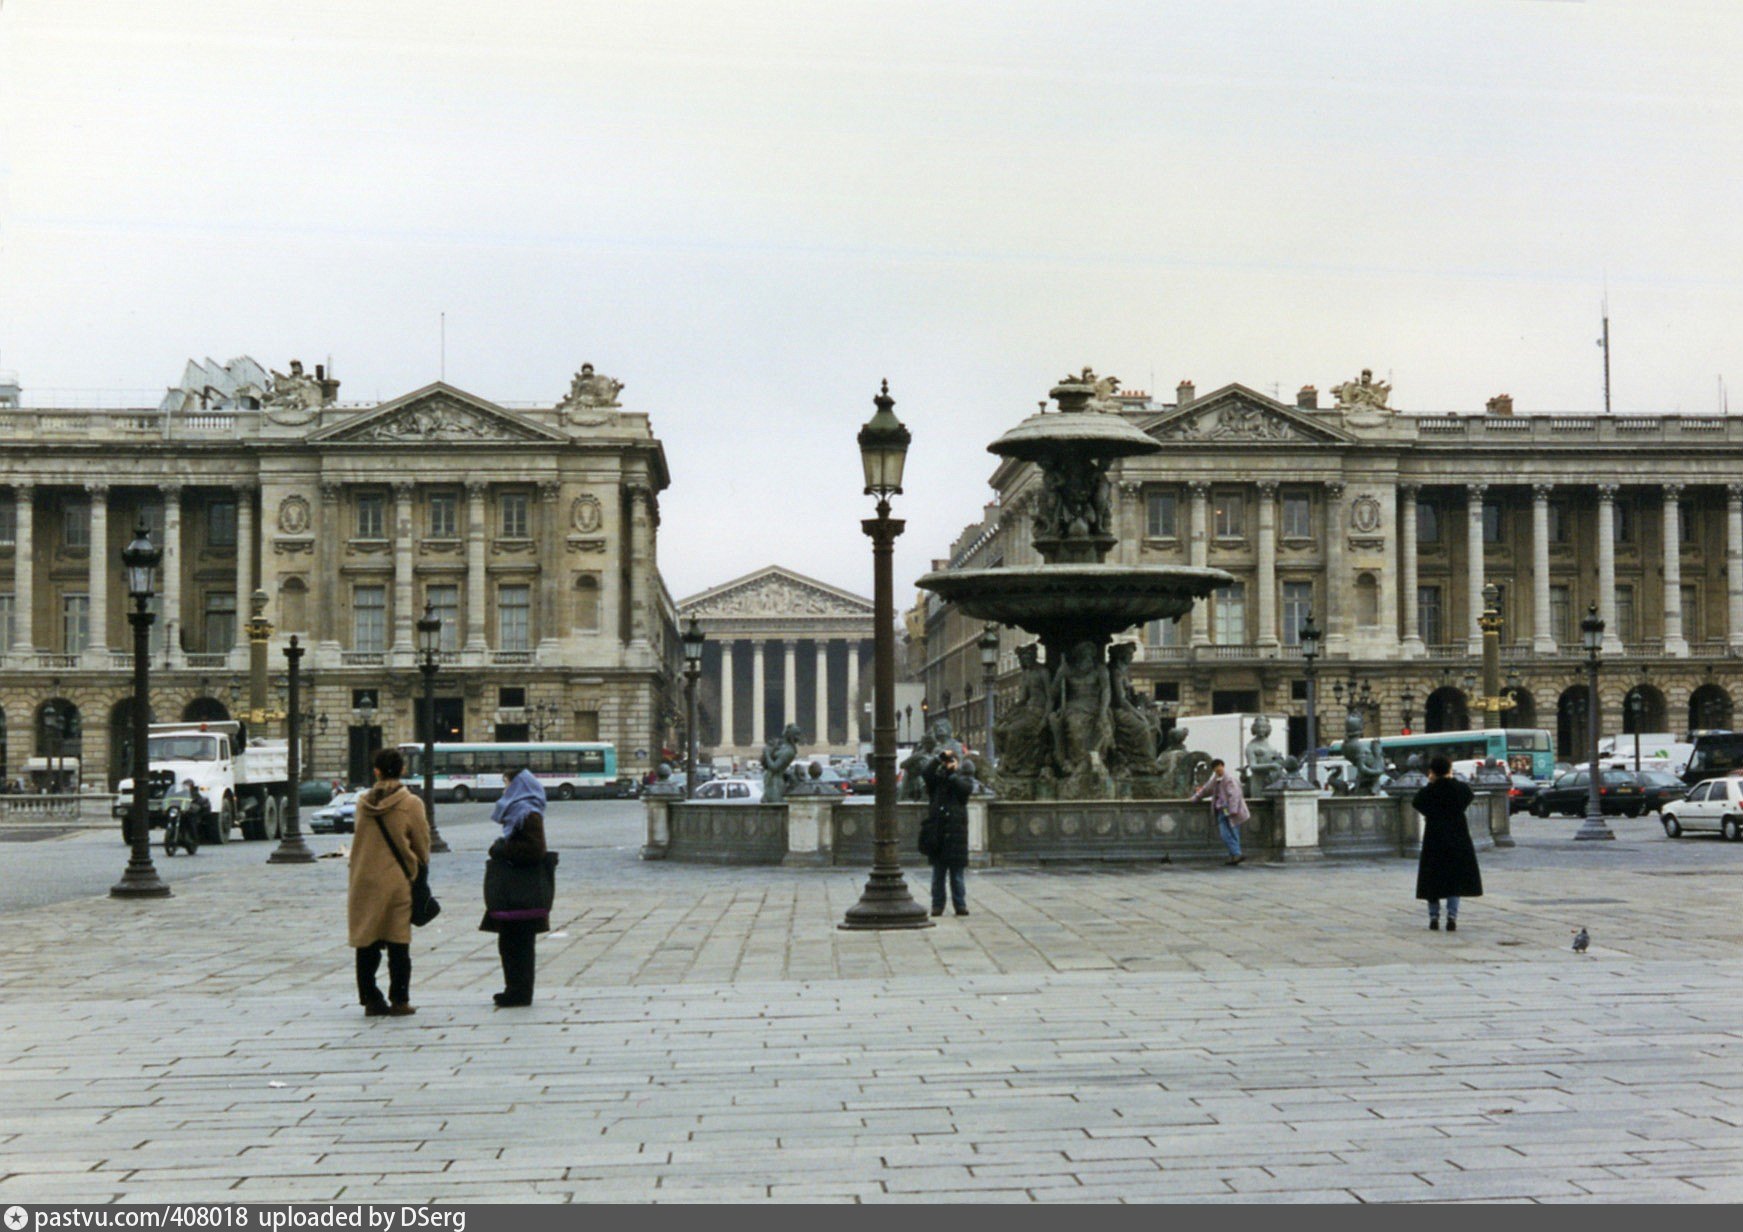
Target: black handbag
424 905
520 887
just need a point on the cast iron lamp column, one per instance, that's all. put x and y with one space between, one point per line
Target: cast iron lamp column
291 848
693 640
1310 635
885 902
1494 702
1636 712
429 627
139 559
1592 636
989 663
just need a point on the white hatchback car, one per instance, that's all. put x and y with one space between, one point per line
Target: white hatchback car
742 791
1716 804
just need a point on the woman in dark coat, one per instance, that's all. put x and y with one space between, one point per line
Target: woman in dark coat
1448 865
521 847
950 786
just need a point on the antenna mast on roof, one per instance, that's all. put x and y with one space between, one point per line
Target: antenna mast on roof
1605 343
442 364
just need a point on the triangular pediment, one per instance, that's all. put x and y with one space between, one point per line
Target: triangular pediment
1236 415
774 591
437 414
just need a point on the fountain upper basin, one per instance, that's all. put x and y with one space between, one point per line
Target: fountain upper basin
1075 601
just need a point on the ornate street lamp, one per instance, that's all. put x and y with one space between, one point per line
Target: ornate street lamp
989 666
1310 635
1592 637
291 847
693 640
883 450
1636 712
138 560
429 627
1409 700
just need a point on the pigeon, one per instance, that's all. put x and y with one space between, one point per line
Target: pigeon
1581 941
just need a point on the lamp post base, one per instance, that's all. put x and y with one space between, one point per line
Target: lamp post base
438 844
1594 827
886 903
139 883
291 850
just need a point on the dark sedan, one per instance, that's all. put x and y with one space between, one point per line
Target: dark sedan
1619 794
1525 789
1661 787
860 780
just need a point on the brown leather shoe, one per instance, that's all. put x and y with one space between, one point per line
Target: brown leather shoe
375 1009
401 1010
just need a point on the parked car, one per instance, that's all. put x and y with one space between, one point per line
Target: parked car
1619 794
314 793
629 789
1661 787
339 817
1525 789
1716 805
860 780
740 791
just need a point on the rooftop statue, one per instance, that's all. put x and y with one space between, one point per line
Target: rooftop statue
590 390
1366 394
293 397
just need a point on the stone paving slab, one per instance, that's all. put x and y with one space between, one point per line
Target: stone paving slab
1258 1035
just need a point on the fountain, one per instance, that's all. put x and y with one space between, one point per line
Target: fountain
1075 732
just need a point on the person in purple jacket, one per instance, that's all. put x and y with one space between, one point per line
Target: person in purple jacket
1229 805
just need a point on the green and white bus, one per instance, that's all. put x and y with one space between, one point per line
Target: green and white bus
568 770
1523 750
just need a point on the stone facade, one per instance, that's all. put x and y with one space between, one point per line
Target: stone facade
531 529
1368 517
782 648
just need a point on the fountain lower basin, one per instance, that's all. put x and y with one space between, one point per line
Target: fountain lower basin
1062 603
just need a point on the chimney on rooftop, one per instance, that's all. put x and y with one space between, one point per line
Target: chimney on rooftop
329 385
1500 404
1183 394
1307 398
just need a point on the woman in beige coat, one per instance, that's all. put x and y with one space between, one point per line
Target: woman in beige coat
379 905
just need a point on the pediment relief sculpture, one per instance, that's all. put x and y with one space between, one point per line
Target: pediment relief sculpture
438 420
776 596
1234 420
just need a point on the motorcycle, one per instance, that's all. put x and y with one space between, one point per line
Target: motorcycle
181 826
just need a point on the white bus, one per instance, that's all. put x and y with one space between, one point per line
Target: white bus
567 769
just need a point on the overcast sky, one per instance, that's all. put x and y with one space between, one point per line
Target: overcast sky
750 213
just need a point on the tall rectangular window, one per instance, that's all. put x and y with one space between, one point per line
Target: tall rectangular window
1561 614
1491 522
1229 515
444 604
220 620
1427 522
444 515
9 521
369 619
514 617
221 524
75 623
1428 615
1625 613
1560 524
1162 514
1297 605
1691 612
1624 516
1297 515
1229 614
76 525
1162 632
516 517
1687 526
371 515
8 621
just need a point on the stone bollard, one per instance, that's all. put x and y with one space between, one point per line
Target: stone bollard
659 826
1409 828
1298 809
810 831
978 856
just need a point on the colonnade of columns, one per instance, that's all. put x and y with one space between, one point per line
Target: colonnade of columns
786 652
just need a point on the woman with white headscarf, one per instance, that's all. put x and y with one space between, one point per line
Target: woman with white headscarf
519 885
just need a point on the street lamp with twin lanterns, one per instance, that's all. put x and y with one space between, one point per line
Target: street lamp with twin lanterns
139 560
1310 635
989 666
1592 638
1409 700
883 451
693 640
291 847
429 627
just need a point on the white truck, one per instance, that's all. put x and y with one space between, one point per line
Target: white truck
1227 735
245 780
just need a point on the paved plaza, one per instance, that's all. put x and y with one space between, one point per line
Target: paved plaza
1186 1033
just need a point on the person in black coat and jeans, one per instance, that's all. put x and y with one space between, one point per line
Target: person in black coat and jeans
949 785
521 845
1447 867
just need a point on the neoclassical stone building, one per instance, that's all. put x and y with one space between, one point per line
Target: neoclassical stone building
531 530
1387 526
782 648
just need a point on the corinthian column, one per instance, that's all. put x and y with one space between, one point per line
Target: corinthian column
171 619
758 693
1474 564
1674 642
789 682
97 639
853 728
244 565
329 551
24 571
1336 575
402 572
476 577
821 735
1542 630
1408 496
1198 547
1607 567
1734 564
1267 563
728 740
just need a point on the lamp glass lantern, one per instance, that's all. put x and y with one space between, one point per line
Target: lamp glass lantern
693 639
1310 635
429 631
1592 631
140 560
989 647
883 448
